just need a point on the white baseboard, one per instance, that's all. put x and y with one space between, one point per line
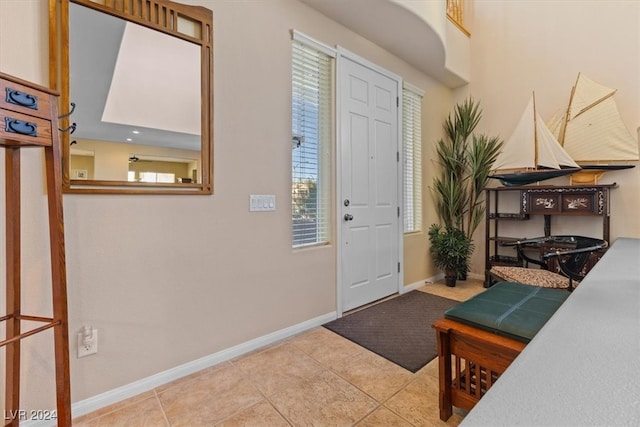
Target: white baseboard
110 397
433 279
421 283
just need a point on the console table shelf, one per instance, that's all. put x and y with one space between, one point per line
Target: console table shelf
536 200
29 118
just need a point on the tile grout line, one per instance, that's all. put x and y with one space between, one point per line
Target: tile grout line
164 413
118 406
266 399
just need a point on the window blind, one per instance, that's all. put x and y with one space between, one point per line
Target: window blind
311 139
412 156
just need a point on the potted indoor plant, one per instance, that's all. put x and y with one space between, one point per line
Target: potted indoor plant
465 161
450 248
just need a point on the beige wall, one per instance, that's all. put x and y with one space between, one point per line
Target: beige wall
170 279
525 46
83 163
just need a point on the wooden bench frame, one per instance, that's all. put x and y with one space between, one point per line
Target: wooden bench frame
470 360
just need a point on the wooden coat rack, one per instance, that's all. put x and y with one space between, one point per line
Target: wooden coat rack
29 118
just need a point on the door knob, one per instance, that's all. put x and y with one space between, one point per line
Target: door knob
348 217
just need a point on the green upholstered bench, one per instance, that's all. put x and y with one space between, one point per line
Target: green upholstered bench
479 338
509 309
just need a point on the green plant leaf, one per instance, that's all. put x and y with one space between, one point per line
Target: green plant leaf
466 160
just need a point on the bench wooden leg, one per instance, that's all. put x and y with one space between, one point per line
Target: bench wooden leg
444 366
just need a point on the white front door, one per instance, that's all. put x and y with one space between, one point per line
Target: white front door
368 184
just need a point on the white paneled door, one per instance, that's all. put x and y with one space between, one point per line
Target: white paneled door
369 197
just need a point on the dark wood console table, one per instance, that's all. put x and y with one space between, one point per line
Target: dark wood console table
588 200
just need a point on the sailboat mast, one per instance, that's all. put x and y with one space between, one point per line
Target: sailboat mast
563 131
535 134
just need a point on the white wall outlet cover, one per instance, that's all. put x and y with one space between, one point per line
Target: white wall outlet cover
87 342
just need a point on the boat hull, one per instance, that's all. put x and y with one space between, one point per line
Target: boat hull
606 167
524 178
590 174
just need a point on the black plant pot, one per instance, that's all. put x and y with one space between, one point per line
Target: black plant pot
450 281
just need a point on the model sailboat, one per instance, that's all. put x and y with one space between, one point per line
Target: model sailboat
593 133
532 153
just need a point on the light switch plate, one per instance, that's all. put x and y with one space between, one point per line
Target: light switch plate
262 202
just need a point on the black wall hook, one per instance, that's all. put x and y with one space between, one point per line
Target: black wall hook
69 129
73 107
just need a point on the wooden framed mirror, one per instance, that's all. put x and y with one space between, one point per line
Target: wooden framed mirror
136 77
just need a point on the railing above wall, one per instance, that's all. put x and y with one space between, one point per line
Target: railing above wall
455 13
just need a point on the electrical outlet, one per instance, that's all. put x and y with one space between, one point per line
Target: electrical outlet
87 341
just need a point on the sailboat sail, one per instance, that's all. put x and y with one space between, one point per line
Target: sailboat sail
591 129
532 152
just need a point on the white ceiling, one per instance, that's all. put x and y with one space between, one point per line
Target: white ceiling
153 82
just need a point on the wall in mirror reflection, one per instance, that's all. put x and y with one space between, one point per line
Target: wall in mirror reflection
134 163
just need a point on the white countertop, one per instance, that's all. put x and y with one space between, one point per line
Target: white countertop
583 366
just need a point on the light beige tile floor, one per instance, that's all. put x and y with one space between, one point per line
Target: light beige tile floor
316 378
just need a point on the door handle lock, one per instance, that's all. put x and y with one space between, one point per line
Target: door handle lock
348 217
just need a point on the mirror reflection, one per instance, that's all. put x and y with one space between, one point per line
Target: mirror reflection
98 160
142 97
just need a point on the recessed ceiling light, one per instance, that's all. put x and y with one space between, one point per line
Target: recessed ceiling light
135 131
129 139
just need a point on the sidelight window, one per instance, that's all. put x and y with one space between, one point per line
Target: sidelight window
412 155
312 116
